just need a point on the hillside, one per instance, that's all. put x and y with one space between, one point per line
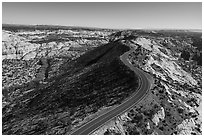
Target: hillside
95 80
55 79
173 106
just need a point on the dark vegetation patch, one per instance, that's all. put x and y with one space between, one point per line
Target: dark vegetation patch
197 40
185 55
198 57
58 38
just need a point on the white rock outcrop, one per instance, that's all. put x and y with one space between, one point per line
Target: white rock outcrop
160 115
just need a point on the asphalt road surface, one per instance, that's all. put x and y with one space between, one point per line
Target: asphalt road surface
96 123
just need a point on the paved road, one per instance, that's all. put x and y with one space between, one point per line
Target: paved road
96 123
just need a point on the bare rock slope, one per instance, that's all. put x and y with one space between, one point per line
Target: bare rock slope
173 105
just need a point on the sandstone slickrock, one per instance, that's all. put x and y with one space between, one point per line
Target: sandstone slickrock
173 104
81 76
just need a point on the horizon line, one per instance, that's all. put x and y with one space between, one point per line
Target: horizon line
103 27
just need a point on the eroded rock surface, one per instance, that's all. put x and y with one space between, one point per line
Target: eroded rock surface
173 105
56 80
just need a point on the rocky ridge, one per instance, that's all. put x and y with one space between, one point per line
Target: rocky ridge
173 105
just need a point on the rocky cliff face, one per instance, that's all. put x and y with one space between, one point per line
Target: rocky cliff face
173 105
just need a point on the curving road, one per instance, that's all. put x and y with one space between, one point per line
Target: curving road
96 123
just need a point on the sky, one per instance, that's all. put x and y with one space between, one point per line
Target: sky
120 15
